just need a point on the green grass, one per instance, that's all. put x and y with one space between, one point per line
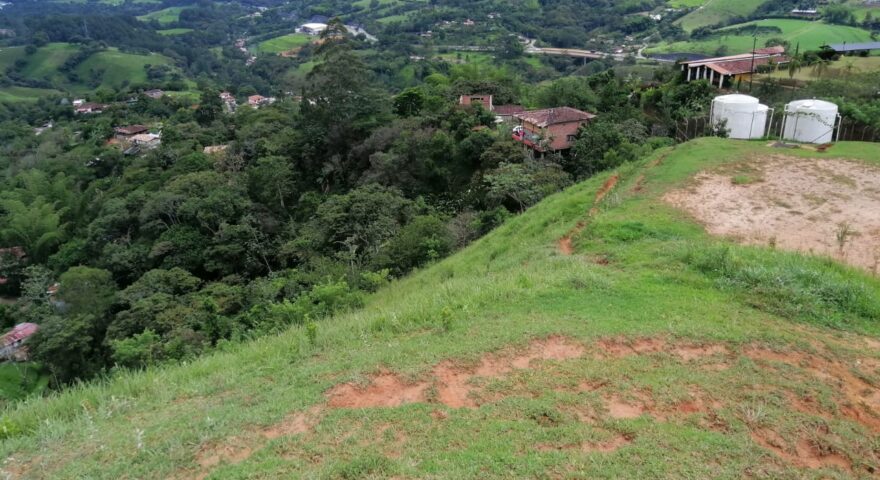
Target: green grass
44 63
641 269
476 58
174 31
842 68
284 43
717 11
116 67
18 380
164 16
392 18
810 35
686 3
24 94
110 68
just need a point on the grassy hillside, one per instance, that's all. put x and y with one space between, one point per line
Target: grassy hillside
113 67
716 11
164 16
108 68
810 35
602 334
284 43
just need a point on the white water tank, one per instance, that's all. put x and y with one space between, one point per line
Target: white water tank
809 121
741 116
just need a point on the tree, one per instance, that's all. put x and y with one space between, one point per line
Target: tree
210 106
524 184
69 347
36 226
604 144
839 14
87 290
409 102
424 239
509 47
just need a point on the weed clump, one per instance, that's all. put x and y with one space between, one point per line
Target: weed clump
791 285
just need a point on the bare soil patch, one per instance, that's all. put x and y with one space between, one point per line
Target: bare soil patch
384 390
232 450
620 408
452 384
294 424
858 400
821 206
687 352
802 452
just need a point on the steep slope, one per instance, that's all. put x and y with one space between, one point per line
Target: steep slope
602 334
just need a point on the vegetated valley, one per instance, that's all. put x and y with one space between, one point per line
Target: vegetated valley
395 239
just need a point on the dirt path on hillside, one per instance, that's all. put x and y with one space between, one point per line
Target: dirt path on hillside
823 206
565 244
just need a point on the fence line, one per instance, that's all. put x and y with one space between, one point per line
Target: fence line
847 130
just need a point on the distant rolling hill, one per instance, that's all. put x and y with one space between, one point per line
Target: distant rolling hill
106 68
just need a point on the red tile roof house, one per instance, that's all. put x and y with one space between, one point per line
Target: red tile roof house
725 71
125 133
551 129
12 345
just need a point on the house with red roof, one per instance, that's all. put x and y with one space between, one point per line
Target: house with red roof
724 71
12 343
550 129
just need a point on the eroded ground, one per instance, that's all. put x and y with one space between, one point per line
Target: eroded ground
822 206
809 410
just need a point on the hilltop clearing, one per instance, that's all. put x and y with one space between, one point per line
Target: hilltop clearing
646 348
823 206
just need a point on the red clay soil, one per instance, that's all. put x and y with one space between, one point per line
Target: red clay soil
858 399
384 390
803 452
619 408
452 383
622 347
293 424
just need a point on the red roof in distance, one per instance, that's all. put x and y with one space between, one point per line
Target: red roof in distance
553 116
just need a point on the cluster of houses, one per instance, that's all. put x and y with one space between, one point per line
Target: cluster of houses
541 131
83 107
230 104
136 138
241 45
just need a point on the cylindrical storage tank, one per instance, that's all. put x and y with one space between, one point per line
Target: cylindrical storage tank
741 116
809 121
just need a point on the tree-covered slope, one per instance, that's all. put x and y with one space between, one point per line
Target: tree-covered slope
601 334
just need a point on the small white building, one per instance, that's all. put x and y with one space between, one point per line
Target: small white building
146 140
313 28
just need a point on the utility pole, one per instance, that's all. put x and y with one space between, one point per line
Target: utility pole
752 72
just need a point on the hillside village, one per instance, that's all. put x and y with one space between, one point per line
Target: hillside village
394 239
